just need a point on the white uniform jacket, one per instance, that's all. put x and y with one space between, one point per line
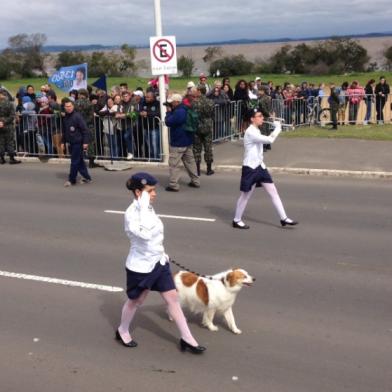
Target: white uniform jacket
253 144
145 231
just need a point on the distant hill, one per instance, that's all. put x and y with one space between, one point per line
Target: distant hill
94 47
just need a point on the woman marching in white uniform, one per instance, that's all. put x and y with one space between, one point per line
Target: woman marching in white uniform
147 265
254 172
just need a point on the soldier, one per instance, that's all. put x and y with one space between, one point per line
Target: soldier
333 101
265 107
205 109
86 109
7 130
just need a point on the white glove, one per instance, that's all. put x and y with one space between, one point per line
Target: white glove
144 200
277 124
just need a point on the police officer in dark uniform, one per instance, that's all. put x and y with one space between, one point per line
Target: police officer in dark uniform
86 109
77 135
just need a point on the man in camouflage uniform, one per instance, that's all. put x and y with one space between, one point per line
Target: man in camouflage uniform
86 109
265 107
7 129
204 107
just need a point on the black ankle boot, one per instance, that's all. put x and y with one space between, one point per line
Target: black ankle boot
13 161
198 168
210 172
2 160
91 163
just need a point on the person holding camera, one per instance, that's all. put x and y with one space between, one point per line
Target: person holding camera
254 172
147 264
181 142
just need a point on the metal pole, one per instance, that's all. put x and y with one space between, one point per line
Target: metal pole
162 91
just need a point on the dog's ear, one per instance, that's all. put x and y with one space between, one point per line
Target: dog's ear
234 276
231 278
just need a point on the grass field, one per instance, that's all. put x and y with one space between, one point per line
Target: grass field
368 132
178 83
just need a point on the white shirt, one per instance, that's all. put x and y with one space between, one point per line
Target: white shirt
253 144
145 231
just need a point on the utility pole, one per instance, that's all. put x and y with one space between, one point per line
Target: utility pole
162 91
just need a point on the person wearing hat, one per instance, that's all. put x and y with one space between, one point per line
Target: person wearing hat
147 264
255 173
189 86
180 144
203 83
7 129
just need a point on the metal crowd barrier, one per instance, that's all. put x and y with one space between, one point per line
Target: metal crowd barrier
112 138
116 138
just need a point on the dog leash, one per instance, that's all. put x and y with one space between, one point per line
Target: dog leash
193 272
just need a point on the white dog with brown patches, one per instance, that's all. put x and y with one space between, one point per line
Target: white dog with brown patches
209 296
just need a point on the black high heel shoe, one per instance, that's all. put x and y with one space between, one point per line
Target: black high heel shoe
284 222
193 349
131 344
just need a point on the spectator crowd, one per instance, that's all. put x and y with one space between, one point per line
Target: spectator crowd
124 123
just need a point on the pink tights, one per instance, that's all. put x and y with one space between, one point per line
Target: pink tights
173 306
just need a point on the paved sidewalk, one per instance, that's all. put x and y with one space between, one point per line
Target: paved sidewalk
315 153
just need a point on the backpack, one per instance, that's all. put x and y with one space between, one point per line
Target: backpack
192 120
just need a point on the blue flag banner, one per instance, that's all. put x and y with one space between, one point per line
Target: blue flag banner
100 83
70 78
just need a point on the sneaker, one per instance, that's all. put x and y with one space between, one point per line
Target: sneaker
85 181
129 156
67 184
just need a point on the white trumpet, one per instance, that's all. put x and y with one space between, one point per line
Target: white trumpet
271 120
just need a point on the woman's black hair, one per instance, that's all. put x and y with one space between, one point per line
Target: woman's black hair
82 70
133 185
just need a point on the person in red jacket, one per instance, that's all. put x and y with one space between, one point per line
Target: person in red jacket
355 94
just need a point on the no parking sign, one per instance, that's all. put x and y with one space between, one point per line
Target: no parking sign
163 55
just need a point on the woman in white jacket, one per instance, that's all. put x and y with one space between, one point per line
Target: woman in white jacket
147 264
254 172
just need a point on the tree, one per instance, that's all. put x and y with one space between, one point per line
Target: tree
68 57
5 67
26 53
232 66
388 56
212 53
185 65
102 64
127 63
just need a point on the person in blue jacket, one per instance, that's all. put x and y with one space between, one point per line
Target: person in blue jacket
76 134
180 144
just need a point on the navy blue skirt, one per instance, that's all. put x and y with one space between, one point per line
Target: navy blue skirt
159 279
257 176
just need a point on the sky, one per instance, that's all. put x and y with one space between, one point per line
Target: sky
113 22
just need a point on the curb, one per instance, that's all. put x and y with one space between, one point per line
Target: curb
315 172
101 163
237 168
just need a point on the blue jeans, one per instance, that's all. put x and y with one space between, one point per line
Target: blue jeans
128 138
112 143
77 163
47 136
152 138
368 110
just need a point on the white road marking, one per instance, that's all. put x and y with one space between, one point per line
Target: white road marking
63 282
191 218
